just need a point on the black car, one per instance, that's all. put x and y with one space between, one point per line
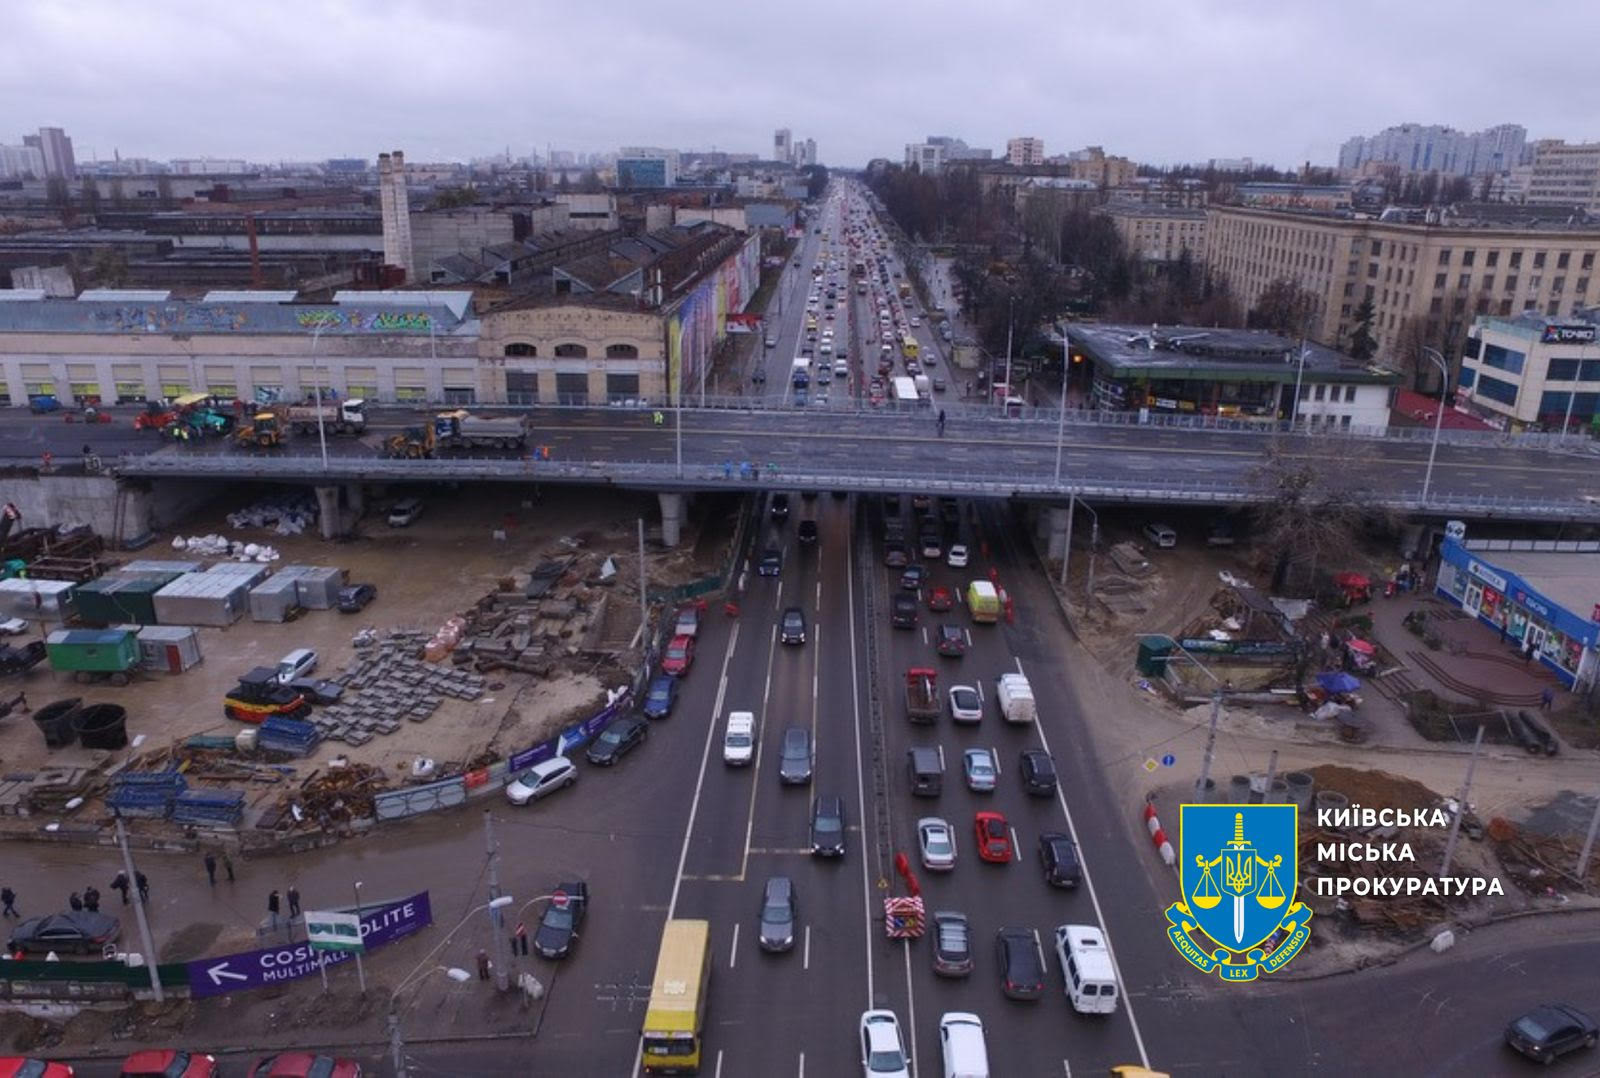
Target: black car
952 944
950 641
1059 856
759 376
558 928
780 919
1021 969
77 931
914 577
771 563
903 612
1038 772
827 826
660 697
895 556
792 630
780 507
354 599
808 530
1552 1030
795 757
615 740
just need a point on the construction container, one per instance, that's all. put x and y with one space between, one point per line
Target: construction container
252 573
49 601
98 651
169 649
121 597
319 587
161 565
217 599
274 598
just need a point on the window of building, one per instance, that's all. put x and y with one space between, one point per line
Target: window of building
1344 309
1492 259
621 351
517 348
1372 270
1439 279
1538 260
1349 394
1467 257
1468 376
1444 256
1305 393
1563 259
460 395
622 387
572 387
130 392
1504 359
1317 393
1482 306
1511 283
1588 260
1583 286
1464 281
572 351
1458 304
522 387
1369 292
1344 421
1562 370
1349 289
1488 282
1496 390
1529 304
1558 285
1436 305
410 393
1553 308
1534 282
1377 248
1516 259
1505 307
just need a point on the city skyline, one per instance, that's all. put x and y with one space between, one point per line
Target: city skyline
1210 80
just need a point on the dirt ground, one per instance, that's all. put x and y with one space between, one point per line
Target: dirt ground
425 573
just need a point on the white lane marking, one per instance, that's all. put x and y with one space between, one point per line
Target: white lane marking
733 948
1016 855
979 687
994 754
967 633
911 1005
861 792
761 743
719 1063
1094 899
1066 1069
700 781
805 957
802 1065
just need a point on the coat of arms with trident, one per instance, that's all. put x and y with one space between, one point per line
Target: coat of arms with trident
1238 861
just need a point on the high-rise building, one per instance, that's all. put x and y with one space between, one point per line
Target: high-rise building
57 149
783 145
809 157
1434 148
1026 151
925 156
1565 175
395 205
22 162
645 166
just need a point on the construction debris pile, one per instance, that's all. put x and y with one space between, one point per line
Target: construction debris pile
525 628
387 683
1541 865
288 513
218 546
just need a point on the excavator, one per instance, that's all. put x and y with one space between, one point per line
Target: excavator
414 443
264 431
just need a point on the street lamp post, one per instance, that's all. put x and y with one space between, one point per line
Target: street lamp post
1061 420
1299 374
1011 309
1438 417
316 370
1204 780
396 1044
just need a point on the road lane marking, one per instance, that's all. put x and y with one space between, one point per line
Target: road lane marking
861 794
733 949
911 1004
761 743
805 957
1016 855
802 1065
719 1063
995 755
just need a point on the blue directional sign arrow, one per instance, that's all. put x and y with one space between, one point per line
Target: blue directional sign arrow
1168 760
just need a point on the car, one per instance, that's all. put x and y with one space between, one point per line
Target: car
1551 1030
931 546
1162 535
940 599
950 641
771 342
883 1049
758 376
827 826
792 627
780 915
304 1065
687 622
679 656
952 944
1038 771
922 502
807 532
801 398
903 612
966 705
76 931
1021 967
956 556
779 508
771 563
978 765
318 691
894 556
936 842
13 627
916 322
913 577
541 779
155 1063
1058 854
939 385
821 399
660 697
558 928
994 838
28 1067
795 756
616 740
354 599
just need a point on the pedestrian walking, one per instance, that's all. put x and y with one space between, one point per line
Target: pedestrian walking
211 868
227 865
119 884
483 964
294 901
91 899
75 902
143 885
1527 651
1502 628
1547 699
273 907
8 903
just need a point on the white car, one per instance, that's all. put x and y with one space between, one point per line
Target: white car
965 704
937 843
957 557
13 627
883 1049
542 778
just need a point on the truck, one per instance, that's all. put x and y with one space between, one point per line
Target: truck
1014 697
924 387
463 430
983 602
337 417
905 390
739 740
800 373
922 694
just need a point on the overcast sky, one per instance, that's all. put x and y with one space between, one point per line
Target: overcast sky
1162 81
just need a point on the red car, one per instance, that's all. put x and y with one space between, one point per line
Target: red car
679 656
304 1065
940 599
168 1063
994 837
25 1067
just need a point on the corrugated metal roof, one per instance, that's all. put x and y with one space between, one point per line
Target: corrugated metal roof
246 295
126 295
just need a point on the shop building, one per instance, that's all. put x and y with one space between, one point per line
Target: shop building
1534 372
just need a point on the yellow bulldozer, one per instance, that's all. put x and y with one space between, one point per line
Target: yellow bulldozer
264 431
414 443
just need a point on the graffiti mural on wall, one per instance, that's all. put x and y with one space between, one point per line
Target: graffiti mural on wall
173 318
698 324
367 321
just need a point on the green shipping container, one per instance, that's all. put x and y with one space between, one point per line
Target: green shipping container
123 598
104 651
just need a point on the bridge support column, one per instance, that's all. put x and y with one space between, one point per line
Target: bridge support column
671 518
338 508
1058 519
355 499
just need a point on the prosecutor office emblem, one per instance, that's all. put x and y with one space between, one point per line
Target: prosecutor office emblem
1238 915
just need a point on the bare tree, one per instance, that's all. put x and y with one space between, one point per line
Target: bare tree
1315 507
1284 307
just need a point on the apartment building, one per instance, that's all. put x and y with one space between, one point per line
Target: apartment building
1565 175
1156 233
1444 268
1023 152
1533 371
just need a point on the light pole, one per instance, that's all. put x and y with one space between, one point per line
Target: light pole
1572 395
1061 421
316 373
396 1045
1438 418
1011 312
361 973
1300 371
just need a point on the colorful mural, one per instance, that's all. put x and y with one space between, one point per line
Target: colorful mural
698 324
367 321
171 318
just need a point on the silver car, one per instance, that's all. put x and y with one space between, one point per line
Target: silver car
936 841
965 704
979 767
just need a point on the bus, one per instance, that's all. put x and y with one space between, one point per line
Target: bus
905 391
674 1023
908 346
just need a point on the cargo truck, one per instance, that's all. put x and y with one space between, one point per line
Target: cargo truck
463 430
338 417
922 694
1014 696
924 388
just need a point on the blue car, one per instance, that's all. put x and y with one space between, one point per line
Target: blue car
660 697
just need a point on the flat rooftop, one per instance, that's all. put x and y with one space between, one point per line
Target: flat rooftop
1207 352
1571 579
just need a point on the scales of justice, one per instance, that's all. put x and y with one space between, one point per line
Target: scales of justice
1238 861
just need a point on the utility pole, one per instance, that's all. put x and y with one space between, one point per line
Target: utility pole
502 965
1461 798
1588 841
644 587
139 913
1204 780
1272 774
396 1048
1066 551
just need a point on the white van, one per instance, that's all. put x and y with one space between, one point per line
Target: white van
961 1042
739 740
1162 535
1014 696
298 663
404 512
1086 967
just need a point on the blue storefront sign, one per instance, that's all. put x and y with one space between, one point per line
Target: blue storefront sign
274 965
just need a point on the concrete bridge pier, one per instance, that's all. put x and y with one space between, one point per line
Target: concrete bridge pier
338 509
1058 519
671 518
